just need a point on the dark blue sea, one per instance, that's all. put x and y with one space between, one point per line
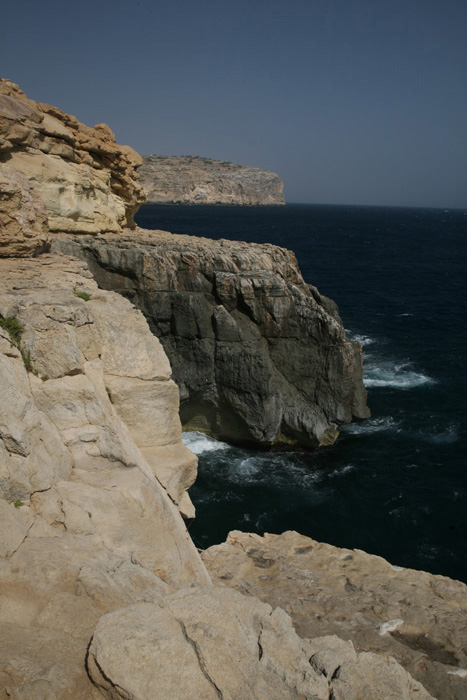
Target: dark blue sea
396 484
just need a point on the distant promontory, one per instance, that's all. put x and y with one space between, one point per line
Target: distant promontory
196 180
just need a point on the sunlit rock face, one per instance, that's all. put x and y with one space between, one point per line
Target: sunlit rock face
414 617
86 182
195 180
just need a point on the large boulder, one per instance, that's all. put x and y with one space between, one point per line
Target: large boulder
225 645
86 181
259 356
416 617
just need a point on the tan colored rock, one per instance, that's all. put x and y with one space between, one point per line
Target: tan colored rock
222 645
23 218
86 182
418 618
95 529
195 180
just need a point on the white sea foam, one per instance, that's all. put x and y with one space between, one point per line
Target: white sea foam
396 376
247 467
340 472
200 443
375 425
364 340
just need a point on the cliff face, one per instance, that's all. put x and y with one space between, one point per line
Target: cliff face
259 356
85 180
102 593
195 180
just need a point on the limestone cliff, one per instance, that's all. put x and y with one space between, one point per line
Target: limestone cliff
260 357
195 180
102 593
85 180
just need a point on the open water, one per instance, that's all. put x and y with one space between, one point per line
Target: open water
396 484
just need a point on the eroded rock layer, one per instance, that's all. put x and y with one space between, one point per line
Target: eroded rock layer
86 181
417 618
195 180
260 357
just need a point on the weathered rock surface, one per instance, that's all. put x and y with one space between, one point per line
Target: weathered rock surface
195 180
259 356
98 576
85 523
23 220
86 181
417 618
229 646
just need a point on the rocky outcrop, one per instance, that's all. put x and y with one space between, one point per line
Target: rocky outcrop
229 646
417 618
24 226
195 180
84 179
88 519
259 356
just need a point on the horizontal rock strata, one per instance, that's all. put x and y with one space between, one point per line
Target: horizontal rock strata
85 180
417 618
260 357
195 180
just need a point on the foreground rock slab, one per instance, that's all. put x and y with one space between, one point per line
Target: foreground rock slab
260 356
418 618
228 646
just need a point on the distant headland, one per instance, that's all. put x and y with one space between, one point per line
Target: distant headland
197 180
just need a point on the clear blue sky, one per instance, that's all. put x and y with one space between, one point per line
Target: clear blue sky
349 101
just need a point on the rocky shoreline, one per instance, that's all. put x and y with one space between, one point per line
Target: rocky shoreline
102 592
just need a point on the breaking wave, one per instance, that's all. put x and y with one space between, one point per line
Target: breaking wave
200 443
395 375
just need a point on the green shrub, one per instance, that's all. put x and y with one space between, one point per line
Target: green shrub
18 504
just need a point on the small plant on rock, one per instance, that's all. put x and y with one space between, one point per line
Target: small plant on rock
18 504
82 295
15 330
13 327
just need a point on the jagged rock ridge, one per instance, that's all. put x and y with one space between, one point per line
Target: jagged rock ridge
86 181
196 180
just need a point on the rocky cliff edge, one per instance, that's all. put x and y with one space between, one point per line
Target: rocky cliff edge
102 593
86 181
